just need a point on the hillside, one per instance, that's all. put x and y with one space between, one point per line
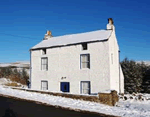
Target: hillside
17 72
146 62
20 64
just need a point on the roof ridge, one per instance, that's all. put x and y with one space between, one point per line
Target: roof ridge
78 33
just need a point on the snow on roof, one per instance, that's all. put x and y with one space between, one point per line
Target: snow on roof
98 35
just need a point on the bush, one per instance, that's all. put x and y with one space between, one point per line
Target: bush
14 75
134 73
5 71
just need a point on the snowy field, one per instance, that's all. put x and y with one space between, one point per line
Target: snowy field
128 108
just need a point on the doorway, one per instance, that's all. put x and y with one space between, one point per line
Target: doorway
65 86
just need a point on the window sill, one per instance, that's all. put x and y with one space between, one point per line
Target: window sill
44 70
85 69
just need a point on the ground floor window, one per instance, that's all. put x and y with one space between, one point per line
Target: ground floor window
44 85
85 87
65 86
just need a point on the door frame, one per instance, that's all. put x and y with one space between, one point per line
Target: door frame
81 86
68 86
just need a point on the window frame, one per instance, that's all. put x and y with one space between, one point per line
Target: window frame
67 84
41 84
88 55
44 64
81 88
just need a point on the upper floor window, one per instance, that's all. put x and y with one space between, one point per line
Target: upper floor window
85 61
84 46
44 63
44 51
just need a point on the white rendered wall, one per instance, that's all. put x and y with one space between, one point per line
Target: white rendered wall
122 80
116 82
65 62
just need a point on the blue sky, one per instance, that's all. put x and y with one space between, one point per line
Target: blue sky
31 18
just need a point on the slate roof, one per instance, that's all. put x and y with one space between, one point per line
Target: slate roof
93 36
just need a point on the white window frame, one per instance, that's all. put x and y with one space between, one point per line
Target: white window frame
42 87
44 65
87 62
88 88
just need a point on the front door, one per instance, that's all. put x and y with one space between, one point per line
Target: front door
65 86
85 87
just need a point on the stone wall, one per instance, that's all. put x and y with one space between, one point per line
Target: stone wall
104 98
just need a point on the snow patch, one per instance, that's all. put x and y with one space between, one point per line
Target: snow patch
4 81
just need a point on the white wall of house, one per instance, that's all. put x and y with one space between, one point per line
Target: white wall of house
65 62
116 80
121 80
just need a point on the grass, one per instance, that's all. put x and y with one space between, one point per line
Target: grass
13 84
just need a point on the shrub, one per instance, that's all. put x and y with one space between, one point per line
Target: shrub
14 75
134 75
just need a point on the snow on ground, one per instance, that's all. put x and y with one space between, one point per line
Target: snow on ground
4 81
127 108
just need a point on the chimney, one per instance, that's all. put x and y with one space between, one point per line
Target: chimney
110 25
48 35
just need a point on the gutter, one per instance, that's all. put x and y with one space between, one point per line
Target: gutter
30 70
56 46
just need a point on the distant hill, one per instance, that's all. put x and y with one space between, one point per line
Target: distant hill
146 62
19 64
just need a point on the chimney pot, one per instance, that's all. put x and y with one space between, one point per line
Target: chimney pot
48 35
110 25
49 32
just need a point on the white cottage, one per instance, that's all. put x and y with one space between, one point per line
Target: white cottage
84 63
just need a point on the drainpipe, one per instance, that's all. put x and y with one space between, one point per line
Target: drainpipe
30 70
119 73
